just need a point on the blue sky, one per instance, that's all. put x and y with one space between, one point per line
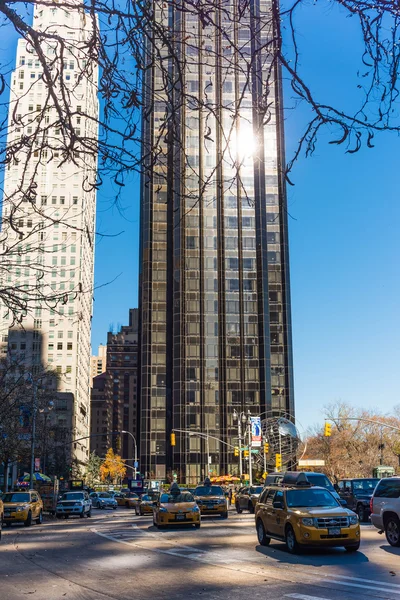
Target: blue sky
344 241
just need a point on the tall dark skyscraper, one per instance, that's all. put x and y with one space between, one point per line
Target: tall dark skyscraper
214 282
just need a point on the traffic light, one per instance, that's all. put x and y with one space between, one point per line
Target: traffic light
246 453
118 443
328 430
173 439
266 448
278 461
236 451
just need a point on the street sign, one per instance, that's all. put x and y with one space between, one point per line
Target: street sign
311 463
254 451
136 464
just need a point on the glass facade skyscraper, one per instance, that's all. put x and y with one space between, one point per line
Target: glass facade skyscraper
214 281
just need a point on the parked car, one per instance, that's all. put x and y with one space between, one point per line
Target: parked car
357 493
22 507
246 498
103 500
319 479
303 515
385 509
74 503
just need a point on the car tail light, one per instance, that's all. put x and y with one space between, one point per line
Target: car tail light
370 504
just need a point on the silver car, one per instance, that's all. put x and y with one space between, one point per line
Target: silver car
103 500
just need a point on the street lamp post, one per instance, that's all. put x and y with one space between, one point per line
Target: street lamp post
242 418
46 410
135 446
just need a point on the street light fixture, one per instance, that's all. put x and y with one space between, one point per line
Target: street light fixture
135 446
243 419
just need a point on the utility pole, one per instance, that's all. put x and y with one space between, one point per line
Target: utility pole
250 463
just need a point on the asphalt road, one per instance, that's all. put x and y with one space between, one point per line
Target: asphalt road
117 555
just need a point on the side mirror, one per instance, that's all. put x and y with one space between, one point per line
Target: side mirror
277 504
343 502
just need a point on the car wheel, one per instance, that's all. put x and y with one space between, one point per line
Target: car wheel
82 514
66 516
114 507
7 524
392 531
197 525
58 516
238 509
353 548
291 542
136 511
361 513
28 521
263 539
224 515
98 505
89 514
39 520
251 508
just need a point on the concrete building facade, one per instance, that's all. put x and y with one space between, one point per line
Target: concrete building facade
50 253
114 394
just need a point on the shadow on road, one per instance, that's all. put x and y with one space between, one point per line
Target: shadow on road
316 557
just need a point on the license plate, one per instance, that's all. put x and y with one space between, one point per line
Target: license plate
334 531
180 517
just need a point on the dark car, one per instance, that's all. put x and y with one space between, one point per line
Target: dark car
247 497
358 493
318 479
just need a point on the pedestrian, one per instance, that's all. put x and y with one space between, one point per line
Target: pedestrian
230 496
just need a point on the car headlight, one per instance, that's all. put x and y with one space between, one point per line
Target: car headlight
21 508
353 520
222 501
308 522
163 509
195 509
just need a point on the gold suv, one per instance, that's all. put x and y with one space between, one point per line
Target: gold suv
22 507
301 515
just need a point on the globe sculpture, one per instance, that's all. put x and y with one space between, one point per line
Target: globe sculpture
283 438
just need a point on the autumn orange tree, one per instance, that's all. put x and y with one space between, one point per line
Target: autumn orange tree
113 467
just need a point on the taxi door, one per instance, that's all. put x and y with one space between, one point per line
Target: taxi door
35 506
276 516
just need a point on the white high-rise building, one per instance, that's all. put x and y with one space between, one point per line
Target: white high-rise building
48 228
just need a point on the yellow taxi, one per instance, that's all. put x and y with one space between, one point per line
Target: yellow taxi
176 507
301 515
145 504
22 507
127 499
211 499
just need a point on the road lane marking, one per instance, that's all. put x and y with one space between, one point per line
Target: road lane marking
304 597
212 557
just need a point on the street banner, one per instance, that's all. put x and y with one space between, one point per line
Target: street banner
255 432
37 465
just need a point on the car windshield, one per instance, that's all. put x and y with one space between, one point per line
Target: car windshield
211 490
310 499
320 480
16 497
104 495
146 498
365 485
256 489
73 496
176 498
